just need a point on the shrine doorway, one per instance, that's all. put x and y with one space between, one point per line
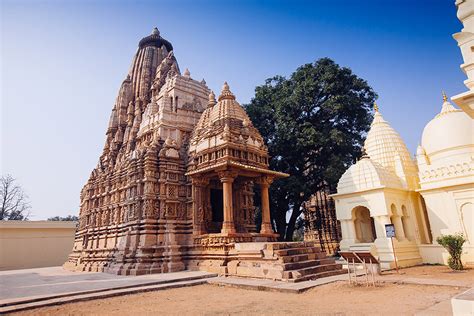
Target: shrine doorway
364 224
217 209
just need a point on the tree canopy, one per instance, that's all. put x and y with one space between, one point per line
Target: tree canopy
14 205
69 218
314 124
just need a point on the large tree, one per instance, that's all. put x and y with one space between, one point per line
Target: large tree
14 203
314 124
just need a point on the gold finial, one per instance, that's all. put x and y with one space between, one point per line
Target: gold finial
445 98
376 107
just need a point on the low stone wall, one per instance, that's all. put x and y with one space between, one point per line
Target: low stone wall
33 244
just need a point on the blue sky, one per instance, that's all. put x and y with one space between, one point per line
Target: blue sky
62 63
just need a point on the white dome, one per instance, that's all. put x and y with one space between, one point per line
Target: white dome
367 174
383 144
450 129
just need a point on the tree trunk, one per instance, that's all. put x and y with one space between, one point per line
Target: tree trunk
290 228
280 221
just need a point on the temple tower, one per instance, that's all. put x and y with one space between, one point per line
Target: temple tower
135 214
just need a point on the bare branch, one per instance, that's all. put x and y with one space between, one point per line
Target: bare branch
14 203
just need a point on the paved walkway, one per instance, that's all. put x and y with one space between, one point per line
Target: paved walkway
269 285
21 289
425 281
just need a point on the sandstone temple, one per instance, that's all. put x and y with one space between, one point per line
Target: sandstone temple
174 186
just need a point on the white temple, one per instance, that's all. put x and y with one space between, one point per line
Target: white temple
423 198
465 40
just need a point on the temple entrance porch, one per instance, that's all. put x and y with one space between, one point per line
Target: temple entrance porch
223 205
225 235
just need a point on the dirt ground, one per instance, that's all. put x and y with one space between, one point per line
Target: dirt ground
436 272
331 299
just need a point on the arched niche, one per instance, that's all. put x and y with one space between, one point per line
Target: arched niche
363 224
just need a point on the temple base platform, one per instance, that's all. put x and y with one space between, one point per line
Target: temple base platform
250 255
283 261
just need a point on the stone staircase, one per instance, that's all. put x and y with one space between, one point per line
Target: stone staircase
283 261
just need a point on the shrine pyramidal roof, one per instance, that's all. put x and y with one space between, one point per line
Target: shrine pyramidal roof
225 135
229 118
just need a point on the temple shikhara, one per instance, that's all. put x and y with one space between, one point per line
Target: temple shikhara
174 186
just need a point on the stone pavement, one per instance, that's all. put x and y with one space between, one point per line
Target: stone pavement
24 289
269 285
463 303
425 281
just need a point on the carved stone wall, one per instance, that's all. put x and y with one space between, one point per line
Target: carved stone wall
321 224
135 212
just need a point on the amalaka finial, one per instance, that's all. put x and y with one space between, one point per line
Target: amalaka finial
212 99
376 107
226 93
187 74
155 31
445 98
225 87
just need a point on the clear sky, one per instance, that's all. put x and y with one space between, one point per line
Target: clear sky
62 63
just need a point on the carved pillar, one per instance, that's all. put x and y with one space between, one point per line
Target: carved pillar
228 226
266 222
199 211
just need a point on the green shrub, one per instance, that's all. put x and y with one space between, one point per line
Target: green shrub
453 244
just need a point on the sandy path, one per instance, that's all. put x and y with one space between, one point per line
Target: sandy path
437 272
332 299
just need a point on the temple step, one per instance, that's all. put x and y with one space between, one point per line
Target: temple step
286 261
319 275
297 251
306 264
304 257
295 274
